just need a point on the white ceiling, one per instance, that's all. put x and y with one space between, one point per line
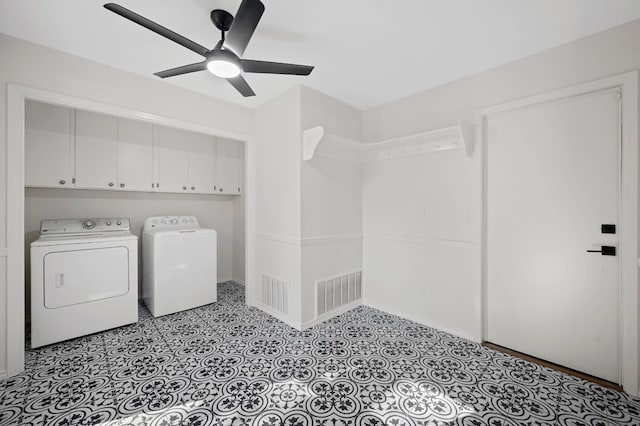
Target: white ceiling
366 52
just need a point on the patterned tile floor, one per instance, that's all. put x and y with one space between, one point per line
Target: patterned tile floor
228 364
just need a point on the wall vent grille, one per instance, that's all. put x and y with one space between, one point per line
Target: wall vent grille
275 293
334 292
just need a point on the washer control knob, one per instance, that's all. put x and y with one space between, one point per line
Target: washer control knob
174 221
88 224
108 223
192 220
118 223
184 221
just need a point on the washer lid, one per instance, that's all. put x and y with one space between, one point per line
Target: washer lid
181 233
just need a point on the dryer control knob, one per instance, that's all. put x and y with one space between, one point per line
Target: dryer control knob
118 223
108 223
174 221
88 224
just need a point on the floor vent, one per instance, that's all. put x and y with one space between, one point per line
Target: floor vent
275 293
332 293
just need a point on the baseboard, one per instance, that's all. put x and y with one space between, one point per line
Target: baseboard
279 315
448 330
334 313
224 279
237 280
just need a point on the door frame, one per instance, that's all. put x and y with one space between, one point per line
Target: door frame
17 95
627 85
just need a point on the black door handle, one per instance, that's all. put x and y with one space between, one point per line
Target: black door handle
605 251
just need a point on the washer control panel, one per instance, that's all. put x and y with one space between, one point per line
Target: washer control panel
171 222
83 226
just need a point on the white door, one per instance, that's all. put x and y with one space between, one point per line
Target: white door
96 150
173 159
201 163
227 167
552 181
135 155
48 145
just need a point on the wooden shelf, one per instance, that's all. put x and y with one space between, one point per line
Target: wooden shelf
316 141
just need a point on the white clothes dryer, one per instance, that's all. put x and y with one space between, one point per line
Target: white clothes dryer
84 278
179 264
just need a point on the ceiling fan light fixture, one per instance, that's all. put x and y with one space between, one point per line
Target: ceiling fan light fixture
223 68
223 63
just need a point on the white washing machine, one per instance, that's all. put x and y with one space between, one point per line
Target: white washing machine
84 278
179 264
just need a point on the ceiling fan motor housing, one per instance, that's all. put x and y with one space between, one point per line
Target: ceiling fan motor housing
221 19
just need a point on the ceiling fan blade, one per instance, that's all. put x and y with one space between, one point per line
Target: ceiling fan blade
157 28
274 67
243 26
185 69
241 86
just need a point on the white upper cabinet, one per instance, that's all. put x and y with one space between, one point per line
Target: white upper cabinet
135 155
228 170
172 151
201 163
49 148
82 149
96 150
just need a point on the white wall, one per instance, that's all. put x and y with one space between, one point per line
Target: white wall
239 231
420 272
331 200
47 69
419 257
277 198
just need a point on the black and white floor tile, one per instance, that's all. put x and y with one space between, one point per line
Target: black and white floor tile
229 364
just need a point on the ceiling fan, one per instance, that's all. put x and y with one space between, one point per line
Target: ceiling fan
225 59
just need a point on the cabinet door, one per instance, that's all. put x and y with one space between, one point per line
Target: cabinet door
96 150
201 163
227 167
135 155
172 149
48 145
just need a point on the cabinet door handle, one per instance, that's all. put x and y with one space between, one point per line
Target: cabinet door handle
184 188
215 187
238 189
193 188
221 190
122 185
110 183
62 182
